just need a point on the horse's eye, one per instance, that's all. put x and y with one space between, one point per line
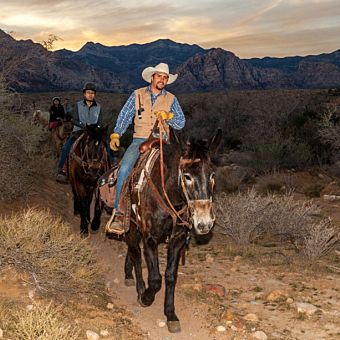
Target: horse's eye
212 177
188 178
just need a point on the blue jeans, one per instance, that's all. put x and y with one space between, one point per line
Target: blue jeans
67 148
65 151
129 160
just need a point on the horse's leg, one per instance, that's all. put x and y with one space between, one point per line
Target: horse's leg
154 276
89 196
134 252
75 202
83 209
128 267
95 225
176 244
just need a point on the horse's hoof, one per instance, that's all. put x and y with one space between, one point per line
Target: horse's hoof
129 282
94 231
84 235
174 326
141 302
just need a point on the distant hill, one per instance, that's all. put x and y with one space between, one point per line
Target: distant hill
28 67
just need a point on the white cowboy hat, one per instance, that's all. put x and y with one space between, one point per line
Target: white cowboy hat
160 68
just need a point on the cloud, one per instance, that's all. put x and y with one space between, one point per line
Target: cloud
252 27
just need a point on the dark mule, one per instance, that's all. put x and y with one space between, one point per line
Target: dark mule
88 161
189 185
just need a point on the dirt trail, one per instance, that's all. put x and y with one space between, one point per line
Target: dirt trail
111 254
247 280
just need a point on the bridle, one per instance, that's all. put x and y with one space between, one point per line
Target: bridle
190 204
86 162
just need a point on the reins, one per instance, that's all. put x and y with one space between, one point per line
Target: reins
161 163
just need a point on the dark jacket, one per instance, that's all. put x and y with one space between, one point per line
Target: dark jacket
56 112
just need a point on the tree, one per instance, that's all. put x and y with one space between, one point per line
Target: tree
49 42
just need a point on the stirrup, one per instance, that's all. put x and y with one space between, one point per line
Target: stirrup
111 229
62 178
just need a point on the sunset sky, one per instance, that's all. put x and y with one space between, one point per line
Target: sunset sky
249 28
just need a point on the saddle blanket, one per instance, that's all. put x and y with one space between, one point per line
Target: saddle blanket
107 182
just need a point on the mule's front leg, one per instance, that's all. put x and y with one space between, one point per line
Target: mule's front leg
95 225
176 244
154 276
83 206
135 255
76 208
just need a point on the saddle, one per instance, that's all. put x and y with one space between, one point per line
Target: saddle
135 183
53 125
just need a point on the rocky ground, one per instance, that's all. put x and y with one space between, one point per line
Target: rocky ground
224 292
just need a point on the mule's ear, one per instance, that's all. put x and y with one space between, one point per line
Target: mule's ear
215 142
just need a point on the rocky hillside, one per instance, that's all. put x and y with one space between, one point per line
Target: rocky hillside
29 67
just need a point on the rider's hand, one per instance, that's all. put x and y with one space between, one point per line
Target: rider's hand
165 115
114 141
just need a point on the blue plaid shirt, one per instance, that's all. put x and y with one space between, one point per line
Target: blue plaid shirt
128 112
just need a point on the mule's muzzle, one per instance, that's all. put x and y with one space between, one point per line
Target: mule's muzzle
202 215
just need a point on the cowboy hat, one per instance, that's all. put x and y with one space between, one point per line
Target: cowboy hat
160 68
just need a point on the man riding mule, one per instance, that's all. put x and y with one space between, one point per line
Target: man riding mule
176 201
145 106
86 112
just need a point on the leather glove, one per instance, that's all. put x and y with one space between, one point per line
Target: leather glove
114 141
164 115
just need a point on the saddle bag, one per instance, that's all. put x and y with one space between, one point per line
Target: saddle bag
107 186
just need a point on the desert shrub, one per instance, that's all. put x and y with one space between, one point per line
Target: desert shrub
230 178
314 190
329 132
42 322
10 100
318 239
304 126
20 143
241 216
277 152
43 246
249 216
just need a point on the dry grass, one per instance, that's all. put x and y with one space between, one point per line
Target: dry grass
43 322
43 246
249 216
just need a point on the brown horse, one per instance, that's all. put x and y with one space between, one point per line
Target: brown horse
88 161
60 134
176 202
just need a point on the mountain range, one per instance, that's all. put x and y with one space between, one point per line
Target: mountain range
29 67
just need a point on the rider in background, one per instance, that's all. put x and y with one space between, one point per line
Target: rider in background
86 111
57 113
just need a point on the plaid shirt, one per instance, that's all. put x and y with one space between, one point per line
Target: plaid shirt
128 112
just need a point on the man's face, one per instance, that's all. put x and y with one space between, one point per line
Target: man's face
89 95
159 80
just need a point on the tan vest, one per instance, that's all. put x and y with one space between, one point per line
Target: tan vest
145 124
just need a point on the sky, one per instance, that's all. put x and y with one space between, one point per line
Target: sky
248 28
